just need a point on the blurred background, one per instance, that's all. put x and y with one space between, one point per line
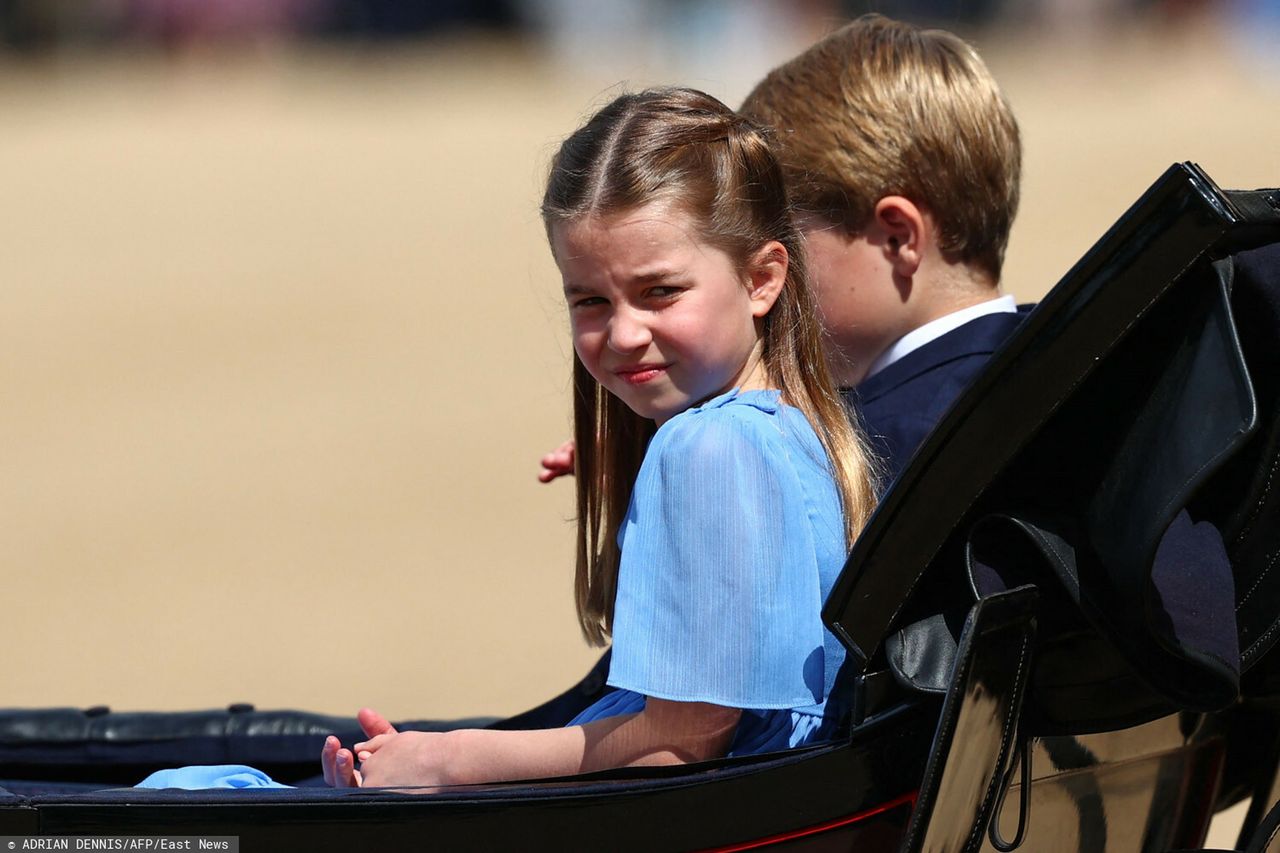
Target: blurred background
282 343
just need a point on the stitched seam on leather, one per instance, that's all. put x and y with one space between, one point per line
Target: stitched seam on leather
936 771
1046 542
1272 836
1257 507
1219 659
1051 545
1261 577
1253 647
1005 743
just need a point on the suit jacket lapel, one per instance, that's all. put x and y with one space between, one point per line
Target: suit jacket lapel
980 336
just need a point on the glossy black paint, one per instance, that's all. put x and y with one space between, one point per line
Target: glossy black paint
1145 788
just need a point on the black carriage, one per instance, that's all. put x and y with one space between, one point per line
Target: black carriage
1032 670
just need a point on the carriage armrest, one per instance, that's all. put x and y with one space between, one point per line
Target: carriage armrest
102 746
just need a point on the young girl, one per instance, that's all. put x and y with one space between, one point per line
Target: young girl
719 481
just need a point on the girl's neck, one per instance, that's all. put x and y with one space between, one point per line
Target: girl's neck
754 376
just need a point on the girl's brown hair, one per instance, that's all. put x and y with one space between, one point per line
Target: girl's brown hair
684 148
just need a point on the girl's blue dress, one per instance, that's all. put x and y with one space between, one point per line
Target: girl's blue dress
731 544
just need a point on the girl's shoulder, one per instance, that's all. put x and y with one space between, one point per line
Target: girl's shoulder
729 411
731 425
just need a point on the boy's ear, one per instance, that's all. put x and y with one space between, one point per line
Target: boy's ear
766 274
904 230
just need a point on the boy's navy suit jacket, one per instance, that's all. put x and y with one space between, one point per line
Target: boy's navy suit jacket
901 403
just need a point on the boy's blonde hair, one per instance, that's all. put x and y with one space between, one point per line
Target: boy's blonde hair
685 148
881 108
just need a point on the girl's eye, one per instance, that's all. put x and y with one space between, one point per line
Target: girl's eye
663 291
586 301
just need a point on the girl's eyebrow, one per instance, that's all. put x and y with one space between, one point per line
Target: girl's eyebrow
649 276
646 277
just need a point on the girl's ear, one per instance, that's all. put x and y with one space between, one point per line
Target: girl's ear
904 231
766 274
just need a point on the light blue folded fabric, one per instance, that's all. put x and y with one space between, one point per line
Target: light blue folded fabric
733 539
731 542
197 777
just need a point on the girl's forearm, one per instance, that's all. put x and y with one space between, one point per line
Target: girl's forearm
664 733
470 756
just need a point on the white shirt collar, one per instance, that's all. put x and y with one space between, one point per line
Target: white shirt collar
935 329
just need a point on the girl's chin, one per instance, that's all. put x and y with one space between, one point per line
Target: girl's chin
662 411
657 414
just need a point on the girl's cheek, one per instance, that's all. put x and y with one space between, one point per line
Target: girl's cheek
587 345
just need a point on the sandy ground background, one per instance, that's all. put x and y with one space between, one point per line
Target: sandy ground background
281 344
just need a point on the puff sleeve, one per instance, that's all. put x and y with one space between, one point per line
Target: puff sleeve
719 592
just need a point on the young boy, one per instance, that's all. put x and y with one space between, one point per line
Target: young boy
902 158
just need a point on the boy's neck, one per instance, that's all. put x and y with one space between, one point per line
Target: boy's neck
961 288
934 294
941 327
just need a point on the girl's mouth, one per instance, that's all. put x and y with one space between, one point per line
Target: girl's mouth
641 374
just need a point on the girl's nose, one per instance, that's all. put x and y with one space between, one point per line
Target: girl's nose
628 332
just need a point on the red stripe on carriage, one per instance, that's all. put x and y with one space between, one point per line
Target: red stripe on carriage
822 827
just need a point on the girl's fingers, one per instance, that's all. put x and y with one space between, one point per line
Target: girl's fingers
338 765
345 774
328 760
373 723
373 744
557 463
